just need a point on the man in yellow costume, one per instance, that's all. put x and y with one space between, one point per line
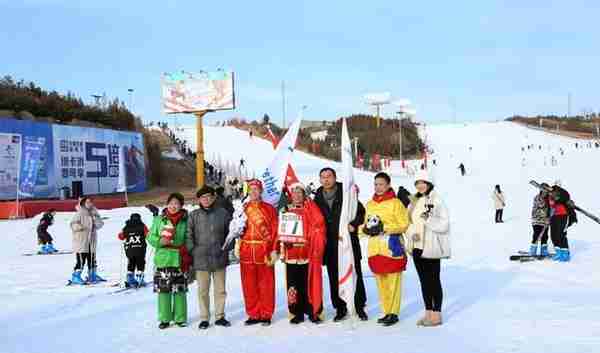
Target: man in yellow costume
387 219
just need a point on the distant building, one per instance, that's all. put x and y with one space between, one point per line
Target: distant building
318 135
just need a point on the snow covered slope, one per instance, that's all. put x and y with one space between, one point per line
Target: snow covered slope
490 304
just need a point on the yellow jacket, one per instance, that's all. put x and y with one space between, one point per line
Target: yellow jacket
392 213
395 220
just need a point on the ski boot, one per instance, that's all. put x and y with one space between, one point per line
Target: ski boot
131 282
94 278
558 254
140 279
76 277
43 249
544 251
565 256
533 249
51 248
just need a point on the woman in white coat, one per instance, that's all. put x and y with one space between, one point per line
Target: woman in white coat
499 203
428 240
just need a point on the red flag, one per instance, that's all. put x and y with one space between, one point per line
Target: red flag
291 176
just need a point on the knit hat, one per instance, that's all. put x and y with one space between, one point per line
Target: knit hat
424 175
177 196
205 190
298 185
255 182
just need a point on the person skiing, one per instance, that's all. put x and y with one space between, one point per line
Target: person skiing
85 225
303 257
540 221
387 258
329 198
207 229
256 250
562 217
171 260
499 203
428 237
44 238
462 169
133 236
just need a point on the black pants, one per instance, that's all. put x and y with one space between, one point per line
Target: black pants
499 214
360 296
82 258
297 289
429 276
44 238
137 261
558 231
540 230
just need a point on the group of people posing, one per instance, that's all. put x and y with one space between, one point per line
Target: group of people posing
195 246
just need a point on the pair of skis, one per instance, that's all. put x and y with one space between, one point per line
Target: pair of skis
525 256
60 252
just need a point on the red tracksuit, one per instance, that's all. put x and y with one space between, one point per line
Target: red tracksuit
257 243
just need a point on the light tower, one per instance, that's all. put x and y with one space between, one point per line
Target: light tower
378 100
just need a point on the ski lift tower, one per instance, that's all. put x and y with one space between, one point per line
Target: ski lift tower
404 111
378 100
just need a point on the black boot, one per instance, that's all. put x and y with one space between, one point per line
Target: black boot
163 325
297 320
383 319
222 322
392 319
341 315
265 322
203 325
251 322
362 315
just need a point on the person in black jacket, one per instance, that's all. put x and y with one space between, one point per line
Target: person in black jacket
134 237
329 199
222 201
44 238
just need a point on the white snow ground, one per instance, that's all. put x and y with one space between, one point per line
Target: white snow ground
490 304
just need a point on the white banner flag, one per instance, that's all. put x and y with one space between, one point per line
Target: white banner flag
122 185
347 271
274 176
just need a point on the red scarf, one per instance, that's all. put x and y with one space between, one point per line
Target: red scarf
174 217
388 195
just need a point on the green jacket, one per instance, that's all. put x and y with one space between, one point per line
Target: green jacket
167 256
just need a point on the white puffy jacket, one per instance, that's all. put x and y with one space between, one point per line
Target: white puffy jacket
436 238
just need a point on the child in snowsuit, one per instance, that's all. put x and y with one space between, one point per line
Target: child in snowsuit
134 237
44 238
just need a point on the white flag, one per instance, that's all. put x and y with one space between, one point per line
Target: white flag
347 271
122 185
274 176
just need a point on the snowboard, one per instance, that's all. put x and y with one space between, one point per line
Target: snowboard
60 252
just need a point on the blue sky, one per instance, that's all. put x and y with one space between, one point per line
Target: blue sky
492 58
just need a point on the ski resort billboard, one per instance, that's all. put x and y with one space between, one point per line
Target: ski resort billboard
92 156
29 133
188 92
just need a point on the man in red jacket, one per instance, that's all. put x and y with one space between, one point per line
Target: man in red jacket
257 256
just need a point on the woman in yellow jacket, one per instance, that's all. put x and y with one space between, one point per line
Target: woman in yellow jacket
387 258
